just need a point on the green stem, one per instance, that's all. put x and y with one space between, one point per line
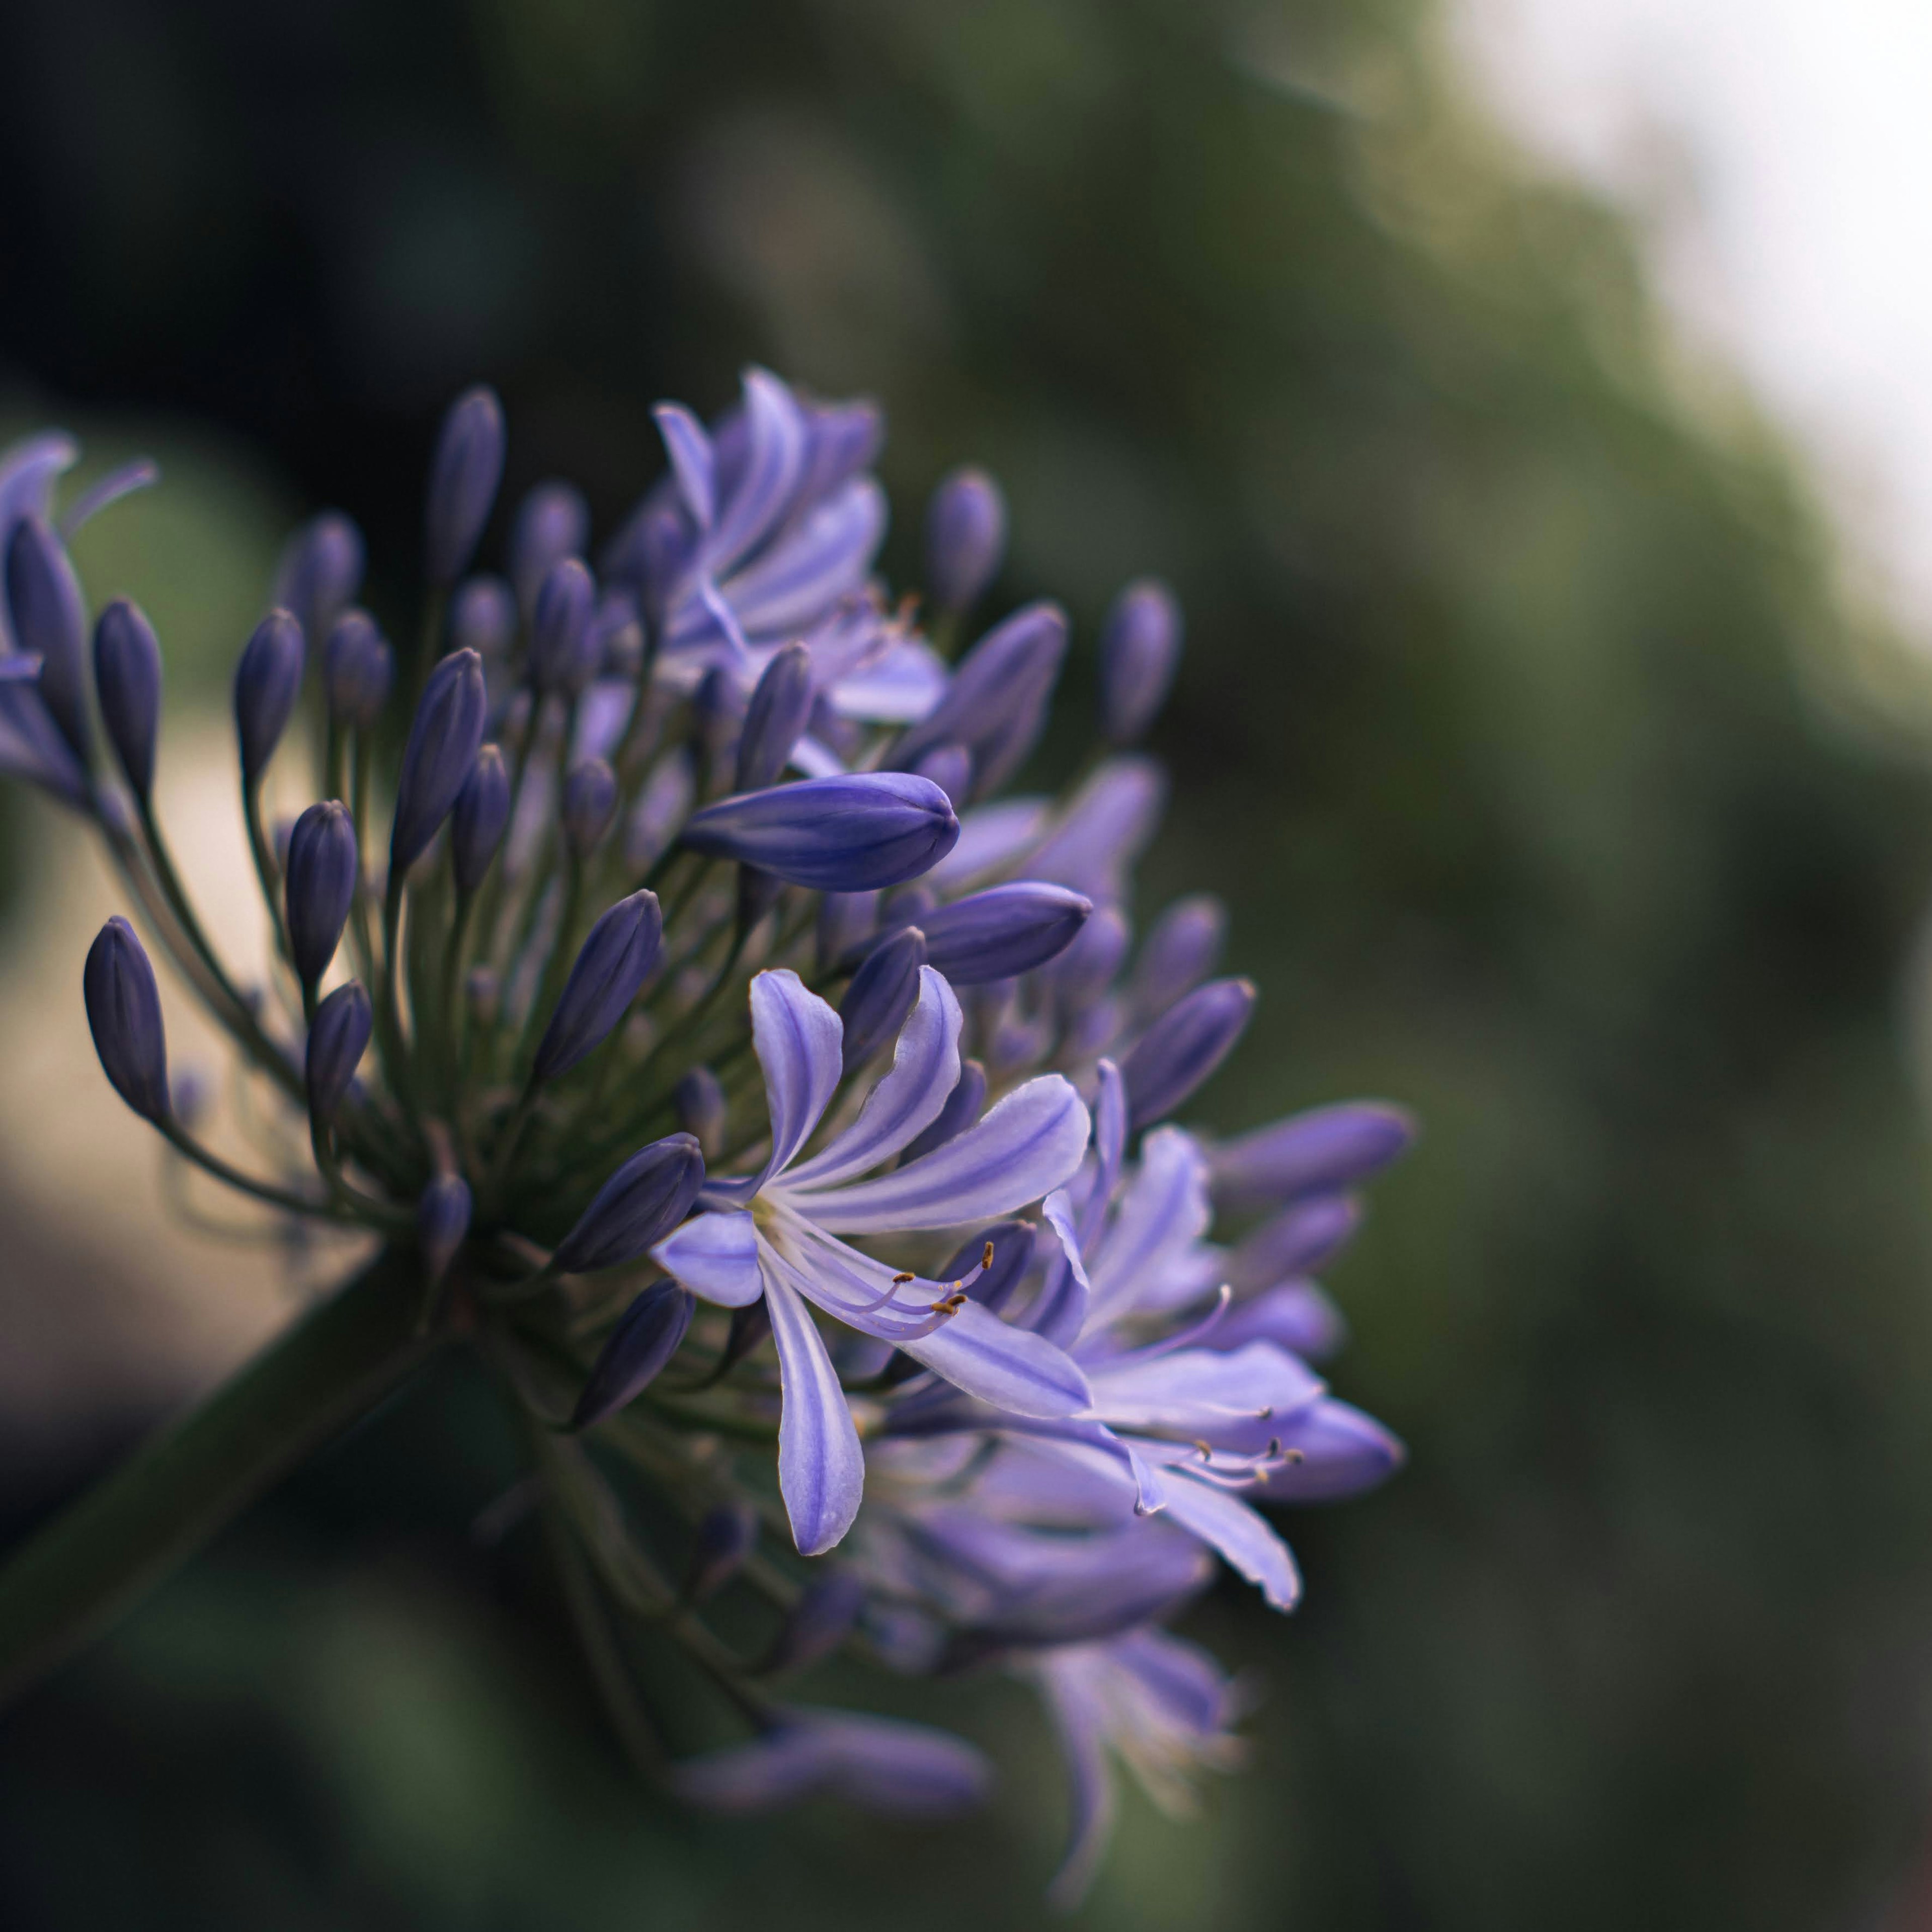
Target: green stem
79 1575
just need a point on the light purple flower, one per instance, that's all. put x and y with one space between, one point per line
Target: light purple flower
775 1233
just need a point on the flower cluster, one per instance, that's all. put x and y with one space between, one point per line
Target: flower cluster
778 1109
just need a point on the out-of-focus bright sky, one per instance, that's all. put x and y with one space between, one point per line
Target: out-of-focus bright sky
1782 150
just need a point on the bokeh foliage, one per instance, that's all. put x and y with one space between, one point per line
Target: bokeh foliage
1515 728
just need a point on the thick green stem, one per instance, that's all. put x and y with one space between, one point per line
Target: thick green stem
76 1577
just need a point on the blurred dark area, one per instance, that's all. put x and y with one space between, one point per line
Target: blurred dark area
1521 726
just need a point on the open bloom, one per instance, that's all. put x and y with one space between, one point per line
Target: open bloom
776 1233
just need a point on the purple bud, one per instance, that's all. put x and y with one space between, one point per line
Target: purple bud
337 1042
1003 931
589 804
635 1210
321 572
563 656
662 803
1296 1241
607 975
725 1538
478 818
702 1110
845 834
881 995
1293 1315
322 870
268 681
718 708
443 1219
1184 1046
483 617
996 698
820 1622
617 637
844 919
780 705
646 1336
553 522
124 1013
1183 946
358 668
49 616
1140 645
965 537
1084 972
1012 1244
127 681
442 744
881 1764
463 478
950 768
962 1109
1325 1150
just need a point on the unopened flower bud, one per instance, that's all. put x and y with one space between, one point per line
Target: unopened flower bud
443 1219
552 522
562 654
589 804
635 1210
1003 931
997 695
483 617
463 476
127 681
268 681
608 972
844 834
780 704
49 616
321 571
1183 946
436 761
649 1334
337 1042
1140 645
124 1013
358 669
478 818
322 867
965 537
700 1102
1184 1046
881 995
1325 1150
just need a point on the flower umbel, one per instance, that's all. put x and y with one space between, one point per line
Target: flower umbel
664 991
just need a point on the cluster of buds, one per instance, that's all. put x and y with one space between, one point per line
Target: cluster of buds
779 1107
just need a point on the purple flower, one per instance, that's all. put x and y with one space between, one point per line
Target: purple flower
775 1233
1323 1151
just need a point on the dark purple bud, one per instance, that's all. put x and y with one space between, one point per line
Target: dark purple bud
881 995
718 708
962 1109
483 617
1184 1046
1326 1150
49 616
358 669
463 478
553 522
965 537
1293 1315
1003 931
268 681
844 920
702 1110
1140 645
950 768
725 1538
478 818
618 634
1084 972
321 572
1334 1451
1012 1244
124 1013
321 872
1183 946
635 1210
563 655
648 552
646 1336
997 695
749 1326
127 681
780 705
845 834
615 960
1299 1240
589 804
443 1219
820 1622
442 744
337 1042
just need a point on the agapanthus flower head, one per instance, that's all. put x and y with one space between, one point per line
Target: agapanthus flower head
784 1115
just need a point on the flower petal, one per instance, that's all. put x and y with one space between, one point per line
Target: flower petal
1141 1262
689 449
924 1071
824 557
762 491
902 1769
821 1468
798 1039
1025 1147
1244 1541
1060 1311
716 1257
1011 1368
1081 1719
1225 1399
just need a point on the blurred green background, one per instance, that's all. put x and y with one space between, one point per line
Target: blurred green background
1552 787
